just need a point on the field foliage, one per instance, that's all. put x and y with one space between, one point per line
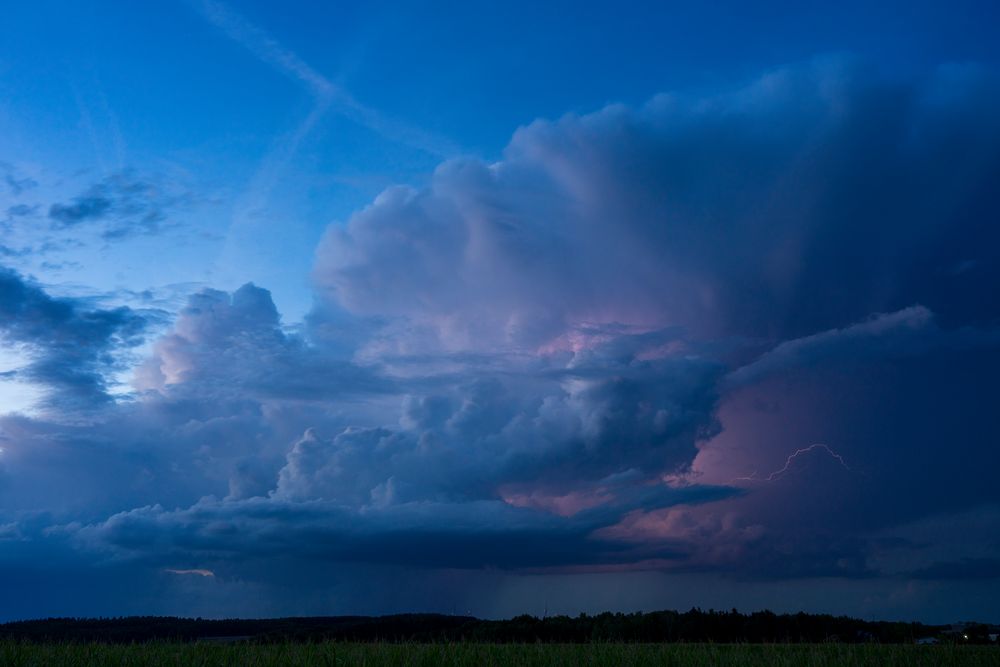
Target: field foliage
330 654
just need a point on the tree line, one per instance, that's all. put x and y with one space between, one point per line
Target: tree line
695 625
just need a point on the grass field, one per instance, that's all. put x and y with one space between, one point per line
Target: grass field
486 655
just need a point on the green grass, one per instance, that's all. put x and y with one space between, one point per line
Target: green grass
16 654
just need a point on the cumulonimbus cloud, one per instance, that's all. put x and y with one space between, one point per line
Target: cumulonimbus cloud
805 201
540 346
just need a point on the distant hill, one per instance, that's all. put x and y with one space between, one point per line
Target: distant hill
662 626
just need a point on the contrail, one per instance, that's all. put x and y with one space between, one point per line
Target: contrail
87 121
269 51
326 92
263 46
328 96
108 130
788 462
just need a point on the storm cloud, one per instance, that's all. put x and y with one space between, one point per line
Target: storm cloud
589 355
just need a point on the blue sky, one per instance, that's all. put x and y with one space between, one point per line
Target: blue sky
497 307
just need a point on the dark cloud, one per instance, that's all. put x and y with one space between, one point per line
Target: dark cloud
6 251
17 184
441 485
903 422
906 333
21 210
475 534
803 231
593 354
84 208
968 568
73 348
124 204
217 404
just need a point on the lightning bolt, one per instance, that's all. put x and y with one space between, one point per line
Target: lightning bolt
788 463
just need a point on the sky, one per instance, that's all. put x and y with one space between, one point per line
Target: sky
499 308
